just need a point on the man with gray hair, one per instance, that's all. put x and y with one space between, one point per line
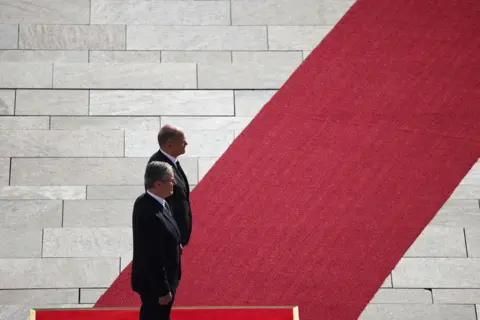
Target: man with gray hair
156 267
172 143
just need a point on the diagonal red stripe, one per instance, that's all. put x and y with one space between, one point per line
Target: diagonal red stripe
322 194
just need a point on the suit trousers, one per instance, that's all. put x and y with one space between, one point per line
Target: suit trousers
152 310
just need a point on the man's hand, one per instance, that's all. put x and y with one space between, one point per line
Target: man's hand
166 299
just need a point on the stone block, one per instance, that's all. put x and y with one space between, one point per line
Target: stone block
287 12
4 171
437 273
79 123
125 76
268 57
125 56
249 102
159 103
61 143
78 171
194 38
57 273
39 296
25 75
86 242
243 75
296 37
114 192
418 312
20 243
8 35
45 11
72 37
466 191
24 123
43 56
91 295
7 102
145 12
436 241
472 236
456 296
52 102
30 214
201 143
197 56
97 213
208 123
402 296
42 192
204 165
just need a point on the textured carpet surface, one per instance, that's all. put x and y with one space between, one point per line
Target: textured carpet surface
322 194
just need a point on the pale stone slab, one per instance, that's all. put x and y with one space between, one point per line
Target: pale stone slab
201 143
147 12
243 75
460 206
72 37
22 311
43 56
395 296
97 213
52 102
7 102
306 53
158 103
473 175
204 165
418 312
472 236
4 171
20 243
387 283
208 123
296 37
30 214
437 273
460 296
45 11
461 220
39 296
24 123
268 57
25 75
86 242
287 12
196 38
42 192
78 171
127 257
57 273
436 241
466 192
114 192
125 76
61 143
77 123
8 35
249 102
197 56
91 295
125 56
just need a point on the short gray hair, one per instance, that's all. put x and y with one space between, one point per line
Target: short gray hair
167 133
157 171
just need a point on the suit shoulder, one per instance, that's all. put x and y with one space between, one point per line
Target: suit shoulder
157 156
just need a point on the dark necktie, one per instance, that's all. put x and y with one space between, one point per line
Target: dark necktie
167 209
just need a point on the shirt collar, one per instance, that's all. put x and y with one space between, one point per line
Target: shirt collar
174 160
161 200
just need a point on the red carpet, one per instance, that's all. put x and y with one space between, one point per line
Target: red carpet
283 313
322 194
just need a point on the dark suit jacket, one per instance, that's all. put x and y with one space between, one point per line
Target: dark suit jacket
179 201
156 268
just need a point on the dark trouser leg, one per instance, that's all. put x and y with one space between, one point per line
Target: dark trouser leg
152 310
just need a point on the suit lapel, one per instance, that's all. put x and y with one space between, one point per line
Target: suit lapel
167 216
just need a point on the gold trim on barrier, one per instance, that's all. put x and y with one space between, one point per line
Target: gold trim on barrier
32 314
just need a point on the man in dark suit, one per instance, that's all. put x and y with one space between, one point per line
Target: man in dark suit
156 268
172 143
